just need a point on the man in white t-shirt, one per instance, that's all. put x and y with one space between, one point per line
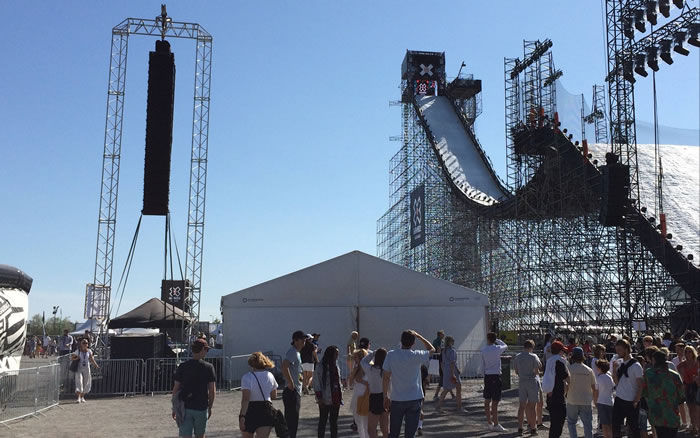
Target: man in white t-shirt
491 357
582 385
627 374
402 373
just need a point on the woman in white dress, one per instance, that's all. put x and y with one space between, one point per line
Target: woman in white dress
83 378
360 389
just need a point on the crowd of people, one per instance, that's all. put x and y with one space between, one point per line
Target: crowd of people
47 346
630 386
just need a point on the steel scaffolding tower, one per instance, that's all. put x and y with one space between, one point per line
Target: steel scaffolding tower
541 254
106 226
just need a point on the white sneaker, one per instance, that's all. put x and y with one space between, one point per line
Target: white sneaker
490 427
499 428
82 399
79 400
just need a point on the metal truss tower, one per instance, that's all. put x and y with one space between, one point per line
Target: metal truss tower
598 114
109 189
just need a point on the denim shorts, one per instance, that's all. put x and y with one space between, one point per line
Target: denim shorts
194 420
605 413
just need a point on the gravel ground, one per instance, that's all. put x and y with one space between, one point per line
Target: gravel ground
149 416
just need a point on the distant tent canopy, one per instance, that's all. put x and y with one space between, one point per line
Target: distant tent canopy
154 313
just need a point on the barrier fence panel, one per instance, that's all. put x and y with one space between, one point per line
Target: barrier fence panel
159 375
117 376
28 391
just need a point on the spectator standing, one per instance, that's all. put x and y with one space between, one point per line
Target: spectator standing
317 343
627 374
402 373
360 396
571 345
582 385
83 378
610 346
598 354
554 384
350 348
604 397
491 356
688 369
451 379
291 395
64 343
372 365
219 340
438 345
664 392
679 348
195 380
547 346
527 366
329 392
258 388
307 353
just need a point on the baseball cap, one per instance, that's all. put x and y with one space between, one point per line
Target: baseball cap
577 353
557 347
309 336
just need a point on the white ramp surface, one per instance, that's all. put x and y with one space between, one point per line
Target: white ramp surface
459 152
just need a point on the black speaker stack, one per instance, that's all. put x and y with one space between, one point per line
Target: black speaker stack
615 192
159 130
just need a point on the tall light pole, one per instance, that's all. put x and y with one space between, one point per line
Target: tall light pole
55 311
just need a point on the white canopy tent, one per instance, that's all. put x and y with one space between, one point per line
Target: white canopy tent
355 291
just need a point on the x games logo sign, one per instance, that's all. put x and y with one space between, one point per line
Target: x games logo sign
417 221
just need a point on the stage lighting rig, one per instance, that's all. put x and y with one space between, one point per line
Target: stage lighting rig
679 3
553 77
639 62
627 28
640 21
653 58
651 12
534 56
679 39
627 71
665 46
665 7
694 30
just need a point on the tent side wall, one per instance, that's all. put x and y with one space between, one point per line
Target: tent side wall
250 329
383 325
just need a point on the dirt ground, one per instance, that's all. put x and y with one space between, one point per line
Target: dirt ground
149 416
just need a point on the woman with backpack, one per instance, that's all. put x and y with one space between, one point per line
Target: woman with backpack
328 389
259 387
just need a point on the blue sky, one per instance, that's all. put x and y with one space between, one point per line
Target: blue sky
299 131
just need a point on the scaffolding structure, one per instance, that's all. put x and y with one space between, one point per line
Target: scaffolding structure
161 26
541 255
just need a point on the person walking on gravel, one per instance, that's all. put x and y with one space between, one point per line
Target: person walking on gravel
195 380
83 378
491 356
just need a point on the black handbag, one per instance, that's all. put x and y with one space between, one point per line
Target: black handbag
277 417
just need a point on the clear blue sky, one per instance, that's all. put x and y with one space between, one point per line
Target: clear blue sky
300 122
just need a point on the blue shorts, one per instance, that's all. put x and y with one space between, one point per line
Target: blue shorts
194 420
605 414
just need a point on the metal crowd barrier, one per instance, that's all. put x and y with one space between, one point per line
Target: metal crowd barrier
150 376
28 391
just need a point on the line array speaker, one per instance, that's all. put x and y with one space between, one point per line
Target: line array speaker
159 130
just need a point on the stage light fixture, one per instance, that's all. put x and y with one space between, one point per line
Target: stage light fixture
627 72
679 3
665 46
694 30
651 12
639 65
653 58
679 39
665 7
627 28
690 257
640 21
679 247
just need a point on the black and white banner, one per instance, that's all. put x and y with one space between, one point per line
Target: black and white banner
417 209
